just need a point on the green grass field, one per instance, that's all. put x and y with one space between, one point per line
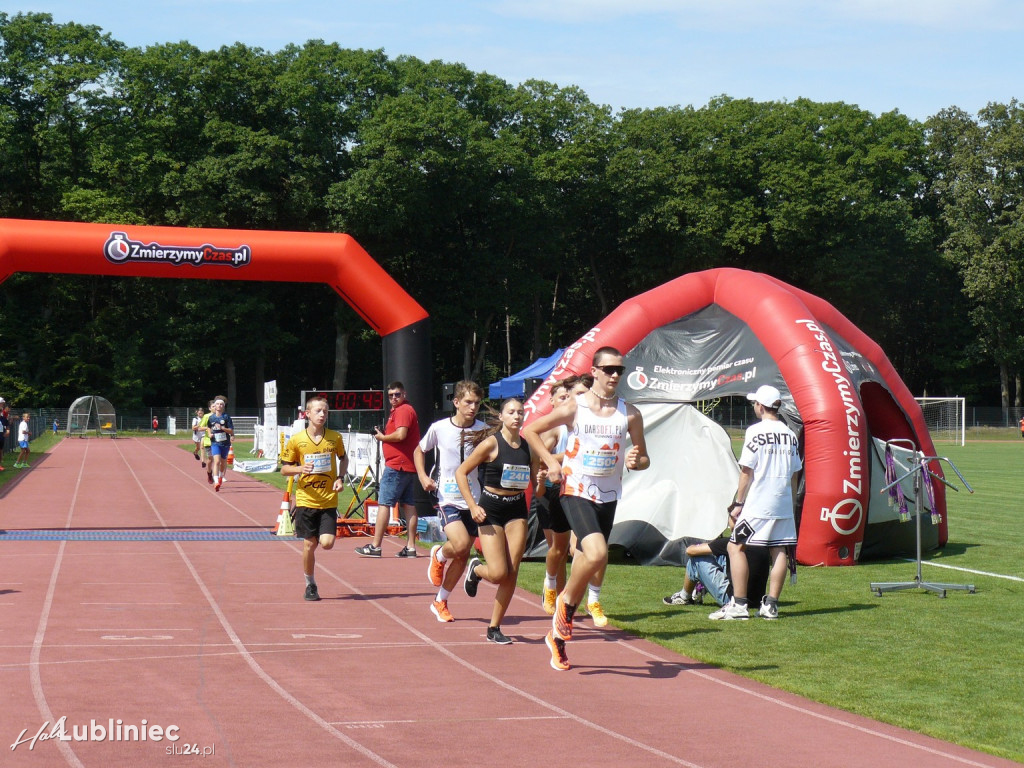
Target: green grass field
948 667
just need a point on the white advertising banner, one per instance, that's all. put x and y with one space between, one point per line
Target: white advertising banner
267 437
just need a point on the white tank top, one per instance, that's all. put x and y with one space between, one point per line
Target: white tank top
592 466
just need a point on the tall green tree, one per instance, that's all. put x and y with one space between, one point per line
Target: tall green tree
55 81
982 203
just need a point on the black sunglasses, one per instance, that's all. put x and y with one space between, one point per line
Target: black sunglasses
611 370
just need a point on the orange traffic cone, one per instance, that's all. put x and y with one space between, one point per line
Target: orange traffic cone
284 525
231 455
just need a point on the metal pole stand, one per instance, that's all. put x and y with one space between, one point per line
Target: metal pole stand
919 465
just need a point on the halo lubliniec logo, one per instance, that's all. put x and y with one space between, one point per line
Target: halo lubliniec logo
112 730
120 249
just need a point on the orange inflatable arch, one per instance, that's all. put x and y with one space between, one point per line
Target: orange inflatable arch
231 254
810 345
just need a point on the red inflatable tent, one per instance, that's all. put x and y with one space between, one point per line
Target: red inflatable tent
726 331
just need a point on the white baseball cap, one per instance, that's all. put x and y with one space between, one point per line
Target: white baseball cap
766 395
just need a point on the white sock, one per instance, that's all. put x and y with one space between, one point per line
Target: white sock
594 594
550 582
442 594
440 558
309 579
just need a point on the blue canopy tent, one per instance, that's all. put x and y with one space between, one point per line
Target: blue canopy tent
515 385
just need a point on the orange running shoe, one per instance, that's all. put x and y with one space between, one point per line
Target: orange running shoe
549 601
435 570
597 614
559 661
440 609
561 621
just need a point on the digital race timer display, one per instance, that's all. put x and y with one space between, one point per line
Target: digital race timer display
353 400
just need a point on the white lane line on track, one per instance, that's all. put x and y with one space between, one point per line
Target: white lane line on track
561 713
37 645
132 603
436 646
965 570
269 649
804 711
244 652
444 721
241 648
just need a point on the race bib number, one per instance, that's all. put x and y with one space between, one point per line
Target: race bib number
220 437
321 462
600 463
451 488
515 476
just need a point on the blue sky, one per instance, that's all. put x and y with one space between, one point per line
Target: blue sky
917 56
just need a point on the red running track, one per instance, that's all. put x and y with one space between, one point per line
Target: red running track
214 638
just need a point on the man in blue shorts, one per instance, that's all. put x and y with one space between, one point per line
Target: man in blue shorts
399 439
448 437
220 429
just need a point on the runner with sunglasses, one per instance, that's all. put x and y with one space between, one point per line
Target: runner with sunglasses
591 477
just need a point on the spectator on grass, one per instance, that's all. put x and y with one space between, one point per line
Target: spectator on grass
23 441
707 564
763 511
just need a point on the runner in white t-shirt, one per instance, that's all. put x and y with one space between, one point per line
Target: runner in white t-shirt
763 511
448 437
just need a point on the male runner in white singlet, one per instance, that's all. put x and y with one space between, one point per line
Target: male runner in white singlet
591 476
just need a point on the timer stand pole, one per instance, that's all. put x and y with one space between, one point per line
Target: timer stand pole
919 465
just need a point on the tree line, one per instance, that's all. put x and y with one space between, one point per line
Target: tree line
517 215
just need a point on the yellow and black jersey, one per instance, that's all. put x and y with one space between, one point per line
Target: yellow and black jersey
315 490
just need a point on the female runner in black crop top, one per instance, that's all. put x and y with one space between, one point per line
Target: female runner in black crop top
501 512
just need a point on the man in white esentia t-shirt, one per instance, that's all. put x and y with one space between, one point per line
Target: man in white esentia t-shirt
763 511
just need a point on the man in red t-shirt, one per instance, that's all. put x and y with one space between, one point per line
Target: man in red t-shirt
399 481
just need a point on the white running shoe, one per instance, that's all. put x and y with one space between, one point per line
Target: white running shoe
730 611
767 610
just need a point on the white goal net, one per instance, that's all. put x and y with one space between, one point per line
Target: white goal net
946 418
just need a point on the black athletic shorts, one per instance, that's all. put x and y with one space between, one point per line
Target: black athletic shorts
449 514
313 523
587 517
502 509
550 515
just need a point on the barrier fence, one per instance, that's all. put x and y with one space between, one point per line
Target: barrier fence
730 413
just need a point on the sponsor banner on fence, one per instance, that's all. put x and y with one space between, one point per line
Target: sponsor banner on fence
256 466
